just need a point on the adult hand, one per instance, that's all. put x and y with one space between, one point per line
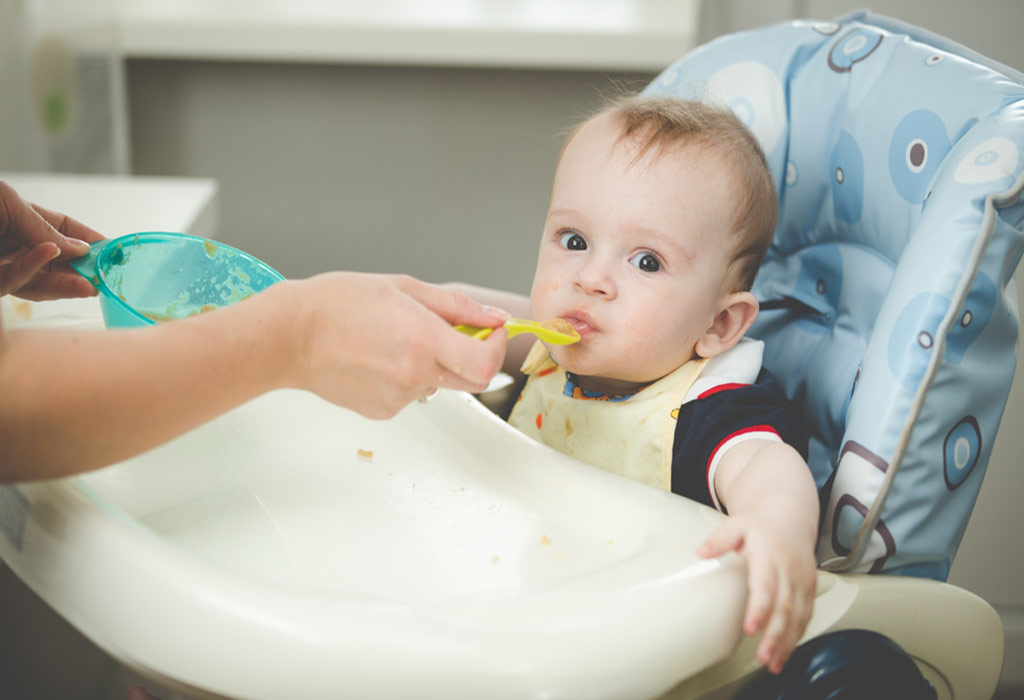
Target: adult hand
34 243
373 343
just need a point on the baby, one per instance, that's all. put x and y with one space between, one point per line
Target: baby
660 215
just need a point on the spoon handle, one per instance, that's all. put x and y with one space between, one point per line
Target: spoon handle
475 331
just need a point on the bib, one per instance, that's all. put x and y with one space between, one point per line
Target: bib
631 436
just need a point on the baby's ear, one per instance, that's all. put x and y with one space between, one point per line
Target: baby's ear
734 317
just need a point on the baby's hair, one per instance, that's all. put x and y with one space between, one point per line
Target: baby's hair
663 122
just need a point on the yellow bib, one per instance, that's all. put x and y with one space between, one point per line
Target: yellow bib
631 437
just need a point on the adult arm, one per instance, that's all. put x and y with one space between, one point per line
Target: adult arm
73 400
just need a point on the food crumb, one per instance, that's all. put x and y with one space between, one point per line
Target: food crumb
365 454
611 543
495 560
545 540
20 309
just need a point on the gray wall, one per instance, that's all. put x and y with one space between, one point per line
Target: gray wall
440 173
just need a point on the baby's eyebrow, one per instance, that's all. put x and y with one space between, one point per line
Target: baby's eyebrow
660 241
566 213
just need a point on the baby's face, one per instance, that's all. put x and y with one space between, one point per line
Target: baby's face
634 254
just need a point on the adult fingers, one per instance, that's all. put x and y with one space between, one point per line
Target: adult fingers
453 307
21 222
56 284
67 226
469 363
21 269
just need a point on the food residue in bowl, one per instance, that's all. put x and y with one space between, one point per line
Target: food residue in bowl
364 454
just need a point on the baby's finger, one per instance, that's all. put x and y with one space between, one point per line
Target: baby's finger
728 537
788 620
763 587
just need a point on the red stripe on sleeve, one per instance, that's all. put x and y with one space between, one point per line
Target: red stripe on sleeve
727 438
720 387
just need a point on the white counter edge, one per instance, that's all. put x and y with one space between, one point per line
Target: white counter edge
642 44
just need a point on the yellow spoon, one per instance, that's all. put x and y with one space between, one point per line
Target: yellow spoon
555 330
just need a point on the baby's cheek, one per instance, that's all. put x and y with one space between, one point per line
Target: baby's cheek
637 347
667 346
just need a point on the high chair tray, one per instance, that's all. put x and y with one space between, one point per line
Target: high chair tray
294 549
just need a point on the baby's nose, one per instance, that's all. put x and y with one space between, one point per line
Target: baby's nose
595 279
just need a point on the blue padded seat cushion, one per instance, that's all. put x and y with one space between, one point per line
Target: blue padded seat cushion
889 303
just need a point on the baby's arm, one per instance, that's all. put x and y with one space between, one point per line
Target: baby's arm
773 523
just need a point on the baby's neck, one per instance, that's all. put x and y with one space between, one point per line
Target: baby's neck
606 386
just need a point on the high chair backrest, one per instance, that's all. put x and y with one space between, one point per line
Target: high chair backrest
889 310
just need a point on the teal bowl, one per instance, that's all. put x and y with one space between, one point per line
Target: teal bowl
147 278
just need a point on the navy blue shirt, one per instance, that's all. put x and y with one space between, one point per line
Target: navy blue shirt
720 414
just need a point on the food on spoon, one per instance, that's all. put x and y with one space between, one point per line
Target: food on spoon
559 325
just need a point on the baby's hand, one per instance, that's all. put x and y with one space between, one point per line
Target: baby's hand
781 579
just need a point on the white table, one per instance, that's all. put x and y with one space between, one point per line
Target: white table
117 205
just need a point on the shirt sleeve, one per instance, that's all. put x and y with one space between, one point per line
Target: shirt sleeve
722 417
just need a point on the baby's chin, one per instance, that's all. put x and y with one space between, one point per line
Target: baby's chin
571 361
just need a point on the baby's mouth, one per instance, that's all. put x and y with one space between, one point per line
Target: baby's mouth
583 324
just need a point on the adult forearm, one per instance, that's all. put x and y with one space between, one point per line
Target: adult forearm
76 400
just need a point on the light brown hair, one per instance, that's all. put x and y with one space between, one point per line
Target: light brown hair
663 122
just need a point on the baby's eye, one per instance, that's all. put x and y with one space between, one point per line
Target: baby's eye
648 262
571 240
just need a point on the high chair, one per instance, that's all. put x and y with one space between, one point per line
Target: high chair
889 308
292 548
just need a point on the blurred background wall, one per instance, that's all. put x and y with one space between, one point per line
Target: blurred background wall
60 60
